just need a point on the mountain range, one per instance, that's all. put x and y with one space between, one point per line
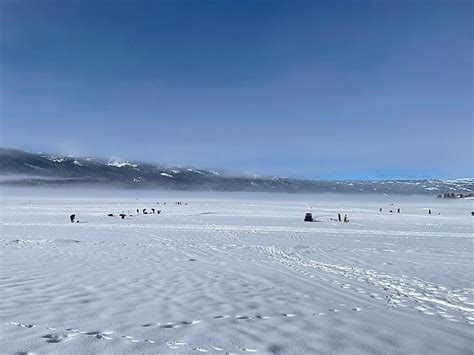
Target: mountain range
20 168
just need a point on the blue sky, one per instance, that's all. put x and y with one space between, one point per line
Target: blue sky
314 89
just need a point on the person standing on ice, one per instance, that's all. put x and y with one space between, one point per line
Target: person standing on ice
339 217
346 219
72 218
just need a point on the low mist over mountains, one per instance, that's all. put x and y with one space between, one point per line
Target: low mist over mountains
19 168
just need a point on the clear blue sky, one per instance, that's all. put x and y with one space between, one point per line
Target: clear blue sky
316 89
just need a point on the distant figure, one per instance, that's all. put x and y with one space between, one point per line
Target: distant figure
472 214
346 219
380 209
152 210
339 217
158 212
110 215
391 211
138 211
144 211
122 215
398 211
429 211
308 217
72 218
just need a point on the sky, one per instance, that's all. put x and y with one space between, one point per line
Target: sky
313 89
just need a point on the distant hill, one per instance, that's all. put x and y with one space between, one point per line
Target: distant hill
20 168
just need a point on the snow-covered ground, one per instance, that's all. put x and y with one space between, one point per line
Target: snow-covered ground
234 273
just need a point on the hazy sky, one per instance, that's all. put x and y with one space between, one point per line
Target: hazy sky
317 89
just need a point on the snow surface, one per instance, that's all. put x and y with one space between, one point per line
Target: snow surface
234 273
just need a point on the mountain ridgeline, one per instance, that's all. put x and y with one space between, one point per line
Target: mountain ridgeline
20 168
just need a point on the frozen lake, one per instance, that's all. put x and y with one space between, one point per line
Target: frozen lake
234 273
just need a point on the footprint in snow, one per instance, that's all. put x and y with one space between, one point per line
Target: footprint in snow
170 326
174 344
242 317
201 350
22 325
190 322
147 325
58 337
128 338
222 316
105 335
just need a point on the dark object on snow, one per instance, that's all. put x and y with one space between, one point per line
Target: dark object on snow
346 219
339 217
391 211
398 211
308 217
153 210
138 211
380 210
158 212
472 214
122 215
144 211
429 211
72 218
110 215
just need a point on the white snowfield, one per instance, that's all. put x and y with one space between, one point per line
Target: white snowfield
234 273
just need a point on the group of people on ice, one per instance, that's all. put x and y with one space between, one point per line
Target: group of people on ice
122 215
339 218
391 211
145 211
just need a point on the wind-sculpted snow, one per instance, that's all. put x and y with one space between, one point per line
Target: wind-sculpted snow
456 305
230 273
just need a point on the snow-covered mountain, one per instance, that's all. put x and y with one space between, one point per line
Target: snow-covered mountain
23 168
